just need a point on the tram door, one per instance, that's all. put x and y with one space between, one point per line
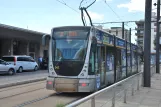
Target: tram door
118 65
103 67
110 65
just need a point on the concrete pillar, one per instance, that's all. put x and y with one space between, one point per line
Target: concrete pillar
11 53
28 47
8 47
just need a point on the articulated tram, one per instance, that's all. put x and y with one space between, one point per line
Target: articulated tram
86 59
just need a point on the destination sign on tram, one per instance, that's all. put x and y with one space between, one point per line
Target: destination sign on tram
71 34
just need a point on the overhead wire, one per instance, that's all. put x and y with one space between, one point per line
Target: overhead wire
85 9
64 3
112 10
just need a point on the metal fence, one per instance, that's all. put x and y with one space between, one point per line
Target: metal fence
113 94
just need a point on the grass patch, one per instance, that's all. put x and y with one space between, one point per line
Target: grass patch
60 105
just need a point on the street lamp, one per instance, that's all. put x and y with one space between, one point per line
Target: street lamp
158 47
159 38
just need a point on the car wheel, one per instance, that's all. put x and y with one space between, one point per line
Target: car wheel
20 69
11 71
36 68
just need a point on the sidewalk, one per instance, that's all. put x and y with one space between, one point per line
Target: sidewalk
144 97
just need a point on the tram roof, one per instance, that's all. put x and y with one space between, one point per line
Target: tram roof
65 27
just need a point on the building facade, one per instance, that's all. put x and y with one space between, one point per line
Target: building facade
140 32
18 41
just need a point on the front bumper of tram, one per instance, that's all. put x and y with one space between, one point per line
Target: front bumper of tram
60 84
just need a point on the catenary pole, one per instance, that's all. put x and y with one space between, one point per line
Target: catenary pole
147 43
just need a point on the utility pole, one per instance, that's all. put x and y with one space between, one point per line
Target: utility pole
147 43
130 51
116 32
123 30
157 38
126 54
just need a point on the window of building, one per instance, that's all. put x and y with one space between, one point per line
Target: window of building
31 47
141 31
155 30
155 24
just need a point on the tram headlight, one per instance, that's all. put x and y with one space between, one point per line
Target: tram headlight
83 84
84 70
49 82
82 74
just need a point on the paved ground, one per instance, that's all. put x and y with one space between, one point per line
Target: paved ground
144 97
147 97
26 75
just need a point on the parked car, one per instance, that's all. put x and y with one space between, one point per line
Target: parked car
22 62
7 68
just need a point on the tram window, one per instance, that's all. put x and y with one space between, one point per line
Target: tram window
123 58
110 59
110 62
93 65
118 58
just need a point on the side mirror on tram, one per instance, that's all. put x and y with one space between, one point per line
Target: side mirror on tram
44 39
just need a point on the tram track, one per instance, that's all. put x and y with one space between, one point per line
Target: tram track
34 95
20 86
34 100
10 89
22 93
58 96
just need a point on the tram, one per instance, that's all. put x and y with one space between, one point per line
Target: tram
86 59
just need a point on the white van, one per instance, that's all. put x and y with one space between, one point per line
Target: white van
22 62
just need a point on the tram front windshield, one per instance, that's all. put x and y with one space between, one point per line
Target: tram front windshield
69 51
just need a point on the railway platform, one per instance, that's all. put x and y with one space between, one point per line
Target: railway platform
144 97
128 93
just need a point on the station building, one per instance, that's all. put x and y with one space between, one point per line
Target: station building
18 41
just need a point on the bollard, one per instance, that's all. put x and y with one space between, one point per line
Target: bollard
113 99
132 88
125 95
93 102
138 78
142 83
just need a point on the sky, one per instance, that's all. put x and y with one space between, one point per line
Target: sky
43 15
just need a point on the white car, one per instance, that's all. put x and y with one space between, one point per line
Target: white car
7 68
22 62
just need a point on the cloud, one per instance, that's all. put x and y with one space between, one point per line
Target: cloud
95 16
135 5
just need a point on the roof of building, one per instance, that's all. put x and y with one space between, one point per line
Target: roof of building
115 27
140 22
21 29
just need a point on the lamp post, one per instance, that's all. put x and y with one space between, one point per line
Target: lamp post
147 42
157 36
159 44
